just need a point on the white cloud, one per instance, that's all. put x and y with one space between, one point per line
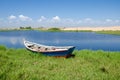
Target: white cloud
24 18
56 18
79 22
88 19
50 21
21 20
42 18
117 21
12 17
108 20
57 21
20 17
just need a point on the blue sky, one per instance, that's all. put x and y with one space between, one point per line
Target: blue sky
59 13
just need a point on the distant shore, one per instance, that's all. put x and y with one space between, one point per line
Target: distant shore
114 28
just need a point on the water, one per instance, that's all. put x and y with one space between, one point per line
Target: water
81 40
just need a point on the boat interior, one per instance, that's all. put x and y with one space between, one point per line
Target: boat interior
44 48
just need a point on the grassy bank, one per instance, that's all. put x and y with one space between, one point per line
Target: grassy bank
9 30
20 64
109 32
45 30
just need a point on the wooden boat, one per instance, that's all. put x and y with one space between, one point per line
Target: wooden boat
65 51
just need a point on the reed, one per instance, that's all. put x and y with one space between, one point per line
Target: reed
20 64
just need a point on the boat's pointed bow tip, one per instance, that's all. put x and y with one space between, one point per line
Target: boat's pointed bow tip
73 47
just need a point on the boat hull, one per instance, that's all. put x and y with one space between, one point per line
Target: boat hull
59 53
56 53
49 50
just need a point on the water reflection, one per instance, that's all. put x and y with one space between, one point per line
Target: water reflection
11 41
82 40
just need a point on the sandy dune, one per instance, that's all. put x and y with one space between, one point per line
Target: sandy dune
114 28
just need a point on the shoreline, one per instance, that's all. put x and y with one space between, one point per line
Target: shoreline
115 30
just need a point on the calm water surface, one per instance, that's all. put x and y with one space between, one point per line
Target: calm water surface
81 40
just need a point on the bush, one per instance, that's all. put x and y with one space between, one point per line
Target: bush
2 48
54 29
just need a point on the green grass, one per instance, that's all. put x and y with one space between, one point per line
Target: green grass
10 30
20 64
50 30
109 32
54 29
